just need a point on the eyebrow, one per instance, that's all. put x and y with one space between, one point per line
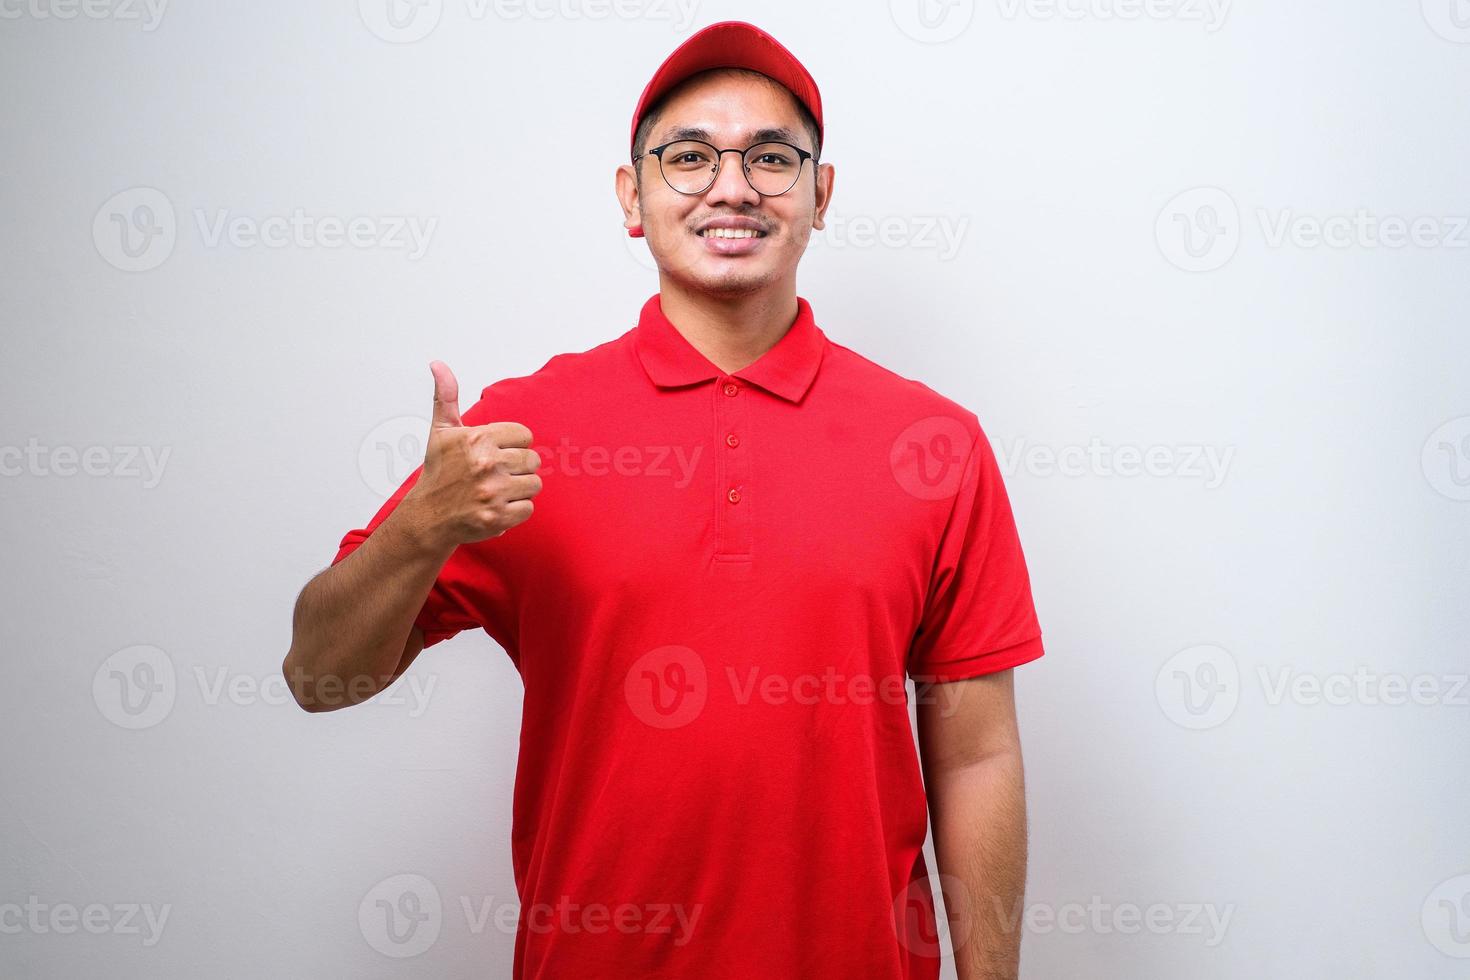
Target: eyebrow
758 136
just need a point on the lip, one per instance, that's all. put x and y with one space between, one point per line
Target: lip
731 221
732 246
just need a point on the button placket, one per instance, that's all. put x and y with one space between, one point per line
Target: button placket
733 503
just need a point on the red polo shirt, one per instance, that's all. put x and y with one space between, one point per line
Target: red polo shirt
712 610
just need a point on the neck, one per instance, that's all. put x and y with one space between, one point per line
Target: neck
732 332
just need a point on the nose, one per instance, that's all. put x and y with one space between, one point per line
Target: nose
730 186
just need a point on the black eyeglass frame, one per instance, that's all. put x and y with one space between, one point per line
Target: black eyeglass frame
658 151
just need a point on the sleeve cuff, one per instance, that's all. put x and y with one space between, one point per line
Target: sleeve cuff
980 664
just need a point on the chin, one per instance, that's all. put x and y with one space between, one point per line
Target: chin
729 282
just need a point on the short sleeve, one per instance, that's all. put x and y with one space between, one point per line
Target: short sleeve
471 590
978 615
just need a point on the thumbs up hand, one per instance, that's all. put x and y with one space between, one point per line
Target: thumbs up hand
478 480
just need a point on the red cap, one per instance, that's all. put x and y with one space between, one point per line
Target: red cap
729 44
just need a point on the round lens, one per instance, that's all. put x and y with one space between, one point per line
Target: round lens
689 166
772 168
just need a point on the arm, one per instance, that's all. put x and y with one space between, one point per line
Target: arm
353 628
971 757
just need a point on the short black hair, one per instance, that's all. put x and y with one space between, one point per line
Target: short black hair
651 115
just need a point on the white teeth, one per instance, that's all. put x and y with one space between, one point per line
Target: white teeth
730 233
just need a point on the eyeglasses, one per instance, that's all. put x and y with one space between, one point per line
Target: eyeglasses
691 166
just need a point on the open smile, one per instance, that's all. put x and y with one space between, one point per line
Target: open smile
732 241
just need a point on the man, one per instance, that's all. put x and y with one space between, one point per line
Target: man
748 535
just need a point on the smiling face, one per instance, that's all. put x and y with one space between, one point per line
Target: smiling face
727 108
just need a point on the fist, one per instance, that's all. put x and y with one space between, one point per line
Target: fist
478 480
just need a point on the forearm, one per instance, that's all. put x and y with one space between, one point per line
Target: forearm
352 621
979 815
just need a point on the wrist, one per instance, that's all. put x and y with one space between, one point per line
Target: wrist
419 532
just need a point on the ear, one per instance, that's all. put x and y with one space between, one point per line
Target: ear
826 176
626 188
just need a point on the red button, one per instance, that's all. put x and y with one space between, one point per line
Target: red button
732 389
734 495
732 440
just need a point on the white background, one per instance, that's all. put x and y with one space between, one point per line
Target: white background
1098 234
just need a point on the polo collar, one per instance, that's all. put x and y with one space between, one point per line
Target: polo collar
787 369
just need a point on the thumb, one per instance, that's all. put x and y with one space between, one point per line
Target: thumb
446 397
